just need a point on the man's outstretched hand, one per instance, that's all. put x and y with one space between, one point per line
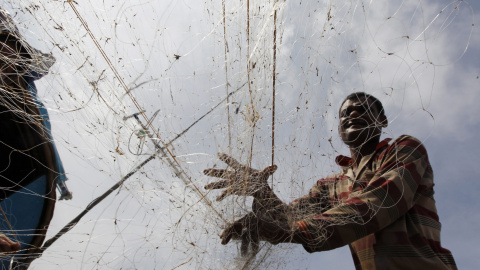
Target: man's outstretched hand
269 219
242 181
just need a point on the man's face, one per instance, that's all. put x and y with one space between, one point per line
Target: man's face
360 121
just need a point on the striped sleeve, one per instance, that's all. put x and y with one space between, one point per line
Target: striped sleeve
317 200
404 172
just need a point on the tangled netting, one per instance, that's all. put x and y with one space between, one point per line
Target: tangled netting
144 94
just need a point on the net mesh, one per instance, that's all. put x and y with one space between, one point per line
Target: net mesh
181 81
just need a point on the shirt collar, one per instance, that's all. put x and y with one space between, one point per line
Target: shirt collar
345 161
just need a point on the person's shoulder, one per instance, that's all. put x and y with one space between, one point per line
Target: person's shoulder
407 143
406 138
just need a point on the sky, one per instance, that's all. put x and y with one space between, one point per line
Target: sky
175 61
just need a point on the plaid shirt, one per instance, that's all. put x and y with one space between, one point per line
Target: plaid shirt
385 210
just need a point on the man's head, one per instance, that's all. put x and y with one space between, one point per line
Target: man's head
33 62
361 119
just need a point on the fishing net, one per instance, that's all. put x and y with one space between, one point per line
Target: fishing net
144 94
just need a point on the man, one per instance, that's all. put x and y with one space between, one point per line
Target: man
381 203
29 163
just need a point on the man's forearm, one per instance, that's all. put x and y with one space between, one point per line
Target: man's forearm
276 218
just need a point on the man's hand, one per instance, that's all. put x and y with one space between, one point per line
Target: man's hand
242 181
7 245
245 229
255 227
269 219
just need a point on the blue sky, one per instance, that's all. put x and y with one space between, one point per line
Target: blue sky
420 58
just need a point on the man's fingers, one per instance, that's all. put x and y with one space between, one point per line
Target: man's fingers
255 242
250 237
268 171
240 190
245 244
225 193
246 230
230 161
243 181
218 184
219 173
226 237
232 231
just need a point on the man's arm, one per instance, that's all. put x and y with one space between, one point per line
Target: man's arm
388 196
405 173
271 219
